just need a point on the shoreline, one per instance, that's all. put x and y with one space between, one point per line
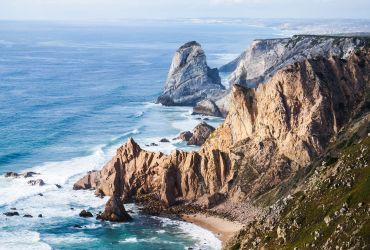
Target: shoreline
223 229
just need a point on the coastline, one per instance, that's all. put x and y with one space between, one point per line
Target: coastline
223 229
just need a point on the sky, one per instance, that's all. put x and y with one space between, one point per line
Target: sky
169 9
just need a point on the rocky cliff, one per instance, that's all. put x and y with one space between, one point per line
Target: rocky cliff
329 208
264 57
270 135
190 80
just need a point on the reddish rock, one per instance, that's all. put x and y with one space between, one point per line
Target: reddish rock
114 211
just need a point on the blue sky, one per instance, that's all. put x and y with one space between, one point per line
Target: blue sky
158 9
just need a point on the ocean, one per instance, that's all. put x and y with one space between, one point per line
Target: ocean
70 95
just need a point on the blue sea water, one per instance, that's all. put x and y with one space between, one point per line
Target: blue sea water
70 94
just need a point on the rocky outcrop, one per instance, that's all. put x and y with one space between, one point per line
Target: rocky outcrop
114 211
200 134
134 171
85 214
38 182
271 133
11 175
16 175
11 214
265 57
185 136
190 80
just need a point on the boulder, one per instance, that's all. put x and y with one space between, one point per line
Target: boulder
28 216
200 134
10 214
114 211
185 136
164 140
58 186
11 174
28 174
38 182
85 214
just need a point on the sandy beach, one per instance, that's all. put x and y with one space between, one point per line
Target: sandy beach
222 228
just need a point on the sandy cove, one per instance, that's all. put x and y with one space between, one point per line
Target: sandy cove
222 228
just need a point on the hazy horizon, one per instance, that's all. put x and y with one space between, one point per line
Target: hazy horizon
99 10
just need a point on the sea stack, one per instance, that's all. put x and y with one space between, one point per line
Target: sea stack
190 80
115 211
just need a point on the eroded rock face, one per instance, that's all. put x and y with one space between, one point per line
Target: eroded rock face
115 211
281 126
269 134
135 171
89 181
190 80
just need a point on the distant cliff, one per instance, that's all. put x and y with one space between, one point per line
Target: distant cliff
264 57
190 80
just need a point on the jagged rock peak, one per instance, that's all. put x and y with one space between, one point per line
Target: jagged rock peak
190 80
114 211
132 145
189 44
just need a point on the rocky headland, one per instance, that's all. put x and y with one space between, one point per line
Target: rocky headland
305 108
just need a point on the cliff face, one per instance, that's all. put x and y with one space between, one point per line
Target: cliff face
330 209
281 126
264 57
270 133
190 80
